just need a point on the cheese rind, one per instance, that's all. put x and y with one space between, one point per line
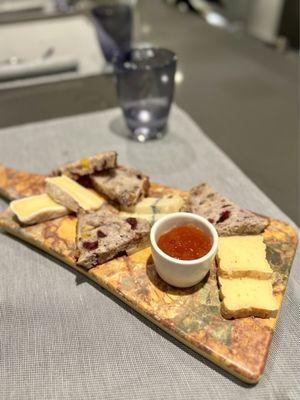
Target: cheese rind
154 208
35 209
72 195
243 256
161 205
245 297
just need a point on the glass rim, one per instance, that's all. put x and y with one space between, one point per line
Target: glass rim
172 58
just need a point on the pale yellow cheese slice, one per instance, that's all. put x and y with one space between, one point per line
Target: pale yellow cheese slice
244 297
151 218
162 205
243 256
72 195
35 209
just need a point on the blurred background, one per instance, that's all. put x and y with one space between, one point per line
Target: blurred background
237 73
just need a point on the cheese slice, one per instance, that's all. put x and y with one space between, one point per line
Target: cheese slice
243 256
162 205
245 297
35 209
151 218
72 195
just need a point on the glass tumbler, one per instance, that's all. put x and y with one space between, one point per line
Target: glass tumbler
145 88
113 24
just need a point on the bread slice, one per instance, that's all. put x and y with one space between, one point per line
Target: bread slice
243 256
228 218
125 186
86 166
102 235
246 297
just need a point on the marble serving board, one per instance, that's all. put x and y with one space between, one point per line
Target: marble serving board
190 315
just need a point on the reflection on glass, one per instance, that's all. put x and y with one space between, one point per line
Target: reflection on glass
145 87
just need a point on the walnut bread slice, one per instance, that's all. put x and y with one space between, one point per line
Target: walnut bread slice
228 218
89 165
246 297
102 235
123 185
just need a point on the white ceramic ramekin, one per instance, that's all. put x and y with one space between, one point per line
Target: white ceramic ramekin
182 273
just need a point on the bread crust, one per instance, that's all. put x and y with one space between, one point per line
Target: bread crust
87 166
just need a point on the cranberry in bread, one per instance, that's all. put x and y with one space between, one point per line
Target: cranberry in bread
228 218
102 235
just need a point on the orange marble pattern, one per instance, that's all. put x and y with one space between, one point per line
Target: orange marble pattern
190 315
15 184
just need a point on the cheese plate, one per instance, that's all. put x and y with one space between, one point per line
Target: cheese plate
193 316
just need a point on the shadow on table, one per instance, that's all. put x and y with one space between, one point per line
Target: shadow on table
119 128
80 278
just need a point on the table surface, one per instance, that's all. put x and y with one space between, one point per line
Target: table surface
244 95
62 337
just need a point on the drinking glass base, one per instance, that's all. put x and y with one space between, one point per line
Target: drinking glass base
143 134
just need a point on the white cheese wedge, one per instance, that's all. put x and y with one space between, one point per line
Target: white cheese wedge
151 218
245 297
35 209
72 195
243 256
162 205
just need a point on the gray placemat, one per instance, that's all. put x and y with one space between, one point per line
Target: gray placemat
61 337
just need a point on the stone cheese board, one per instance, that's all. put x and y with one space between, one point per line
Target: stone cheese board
191 315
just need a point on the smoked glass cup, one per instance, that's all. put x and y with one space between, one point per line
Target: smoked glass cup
113 24
145 89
